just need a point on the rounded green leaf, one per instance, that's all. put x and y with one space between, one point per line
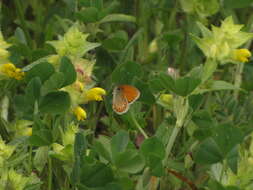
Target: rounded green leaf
68 69
42 70
153 146
55 103
208 152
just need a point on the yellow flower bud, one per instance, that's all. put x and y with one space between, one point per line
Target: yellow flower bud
241 55
95 94
153 48
28 131
80 113
166 99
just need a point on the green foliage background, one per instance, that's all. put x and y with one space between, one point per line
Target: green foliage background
201 138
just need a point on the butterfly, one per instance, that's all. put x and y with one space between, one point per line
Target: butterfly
123 97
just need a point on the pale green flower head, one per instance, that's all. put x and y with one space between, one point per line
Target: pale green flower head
231 33
68 137
243 178
219 43
12 180
4 54
73 44
3 43
5 150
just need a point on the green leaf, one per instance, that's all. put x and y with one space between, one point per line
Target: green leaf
153 146
227 137
146 94
42 70
232 159
68 69
43 137
40 158
20 36
155 165
96 175
215 185
116 41
126 72
129 161
184 86
102 150
55 103
203 119
217 85
195 101
162 82
55 82
118 18
208 152
232 188
235 4
119 143
113 186
32 91
88 15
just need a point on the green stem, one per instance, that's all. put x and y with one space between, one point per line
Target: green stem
138 126
50 173
172 141
4 108
238 78
21 14
30 159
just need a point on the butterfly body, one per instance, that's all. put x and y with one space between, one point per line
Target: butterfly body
123 97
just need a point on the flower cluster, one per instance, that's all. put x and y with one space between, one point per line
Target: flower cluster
222 43
10 70
65 150
7 69
74 44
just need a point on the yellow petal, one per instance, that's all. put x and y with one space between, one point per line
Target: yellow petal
95 94
80 113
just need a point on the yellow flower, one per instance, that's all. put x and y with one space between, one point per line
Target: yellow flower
241 55
95 94
11 71
80 113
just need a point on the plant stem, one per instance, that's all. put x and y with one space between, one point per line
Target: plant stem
138 126
49 173
238 78
4 108
171 141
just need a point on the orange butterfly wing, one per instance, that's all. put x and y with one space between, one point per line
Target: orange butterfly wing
119 102
130 92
